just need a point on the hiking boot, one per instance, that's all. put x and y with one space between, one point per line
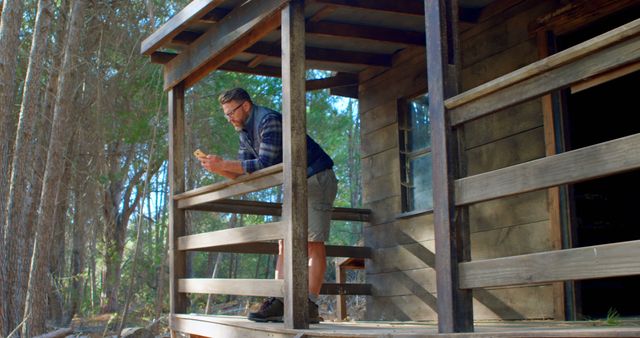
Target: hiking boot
314 316
271 310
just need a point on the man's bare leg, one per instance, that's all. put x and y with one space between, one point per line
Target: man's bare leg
317 265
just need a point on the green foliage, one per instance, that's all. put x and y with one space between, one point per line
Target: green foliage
613 317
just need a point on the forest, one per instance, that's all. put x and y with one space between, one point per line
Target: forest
83 190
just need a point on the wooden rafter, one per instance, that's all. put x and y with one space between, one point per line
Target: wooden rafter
410 7
330 55
194 11
239 29
339 29
340 80
215 15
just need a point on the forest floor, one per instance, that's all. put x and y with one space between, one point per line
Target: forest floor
105 325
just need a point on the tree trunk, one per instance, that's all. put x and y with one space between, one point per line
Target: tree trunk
57 261
35 303
10 22
116 221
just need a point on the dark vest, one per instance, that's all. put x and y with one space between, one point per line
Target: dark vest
317 158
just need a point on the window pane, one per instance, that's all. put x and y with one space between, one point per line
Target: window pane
420 178
419 123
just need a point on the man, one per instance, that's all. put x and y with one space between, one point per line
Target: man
260 131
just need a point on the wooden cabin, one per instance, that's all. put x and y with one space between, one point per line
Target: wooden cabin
499 155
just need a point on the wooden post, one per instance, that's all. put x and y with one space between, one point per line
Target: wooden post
177 263
455 310
341 300
294 157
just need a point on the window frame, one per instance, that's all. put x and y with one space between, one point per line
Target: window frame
408 207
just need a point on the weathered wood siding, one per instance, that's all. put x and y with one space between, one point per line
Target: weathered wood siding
402 269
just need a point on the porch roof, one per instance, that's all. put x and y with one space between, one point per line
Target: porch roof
244 36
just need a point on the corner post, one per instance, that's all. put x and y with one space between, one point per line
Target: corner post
177 262
455 310
294 157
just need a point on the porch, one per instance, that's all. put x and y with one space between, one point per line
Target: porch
230 326
399 35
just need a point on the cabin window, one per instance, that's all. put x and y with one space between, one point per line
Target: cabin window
415 154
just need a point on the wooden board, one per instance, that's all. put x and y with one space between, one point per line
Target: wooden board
499 64
191 13
595 161
240 188
237 326
503 36
269 171
509 211
247 234
243 287
502 124
384 211
345 289
419 282
402 231
177 260
381 187
592 57
518 148
275 209
237 31
294 158
402 258
380 140
607 260
511 241
382 164
378 117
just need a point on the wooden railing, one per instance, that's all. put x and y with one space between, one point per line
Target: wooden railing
254 238
596 57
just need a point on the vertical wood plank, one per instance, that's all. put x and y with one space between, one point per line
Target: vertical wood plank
177 263
553 194
455 311
294 158
341 300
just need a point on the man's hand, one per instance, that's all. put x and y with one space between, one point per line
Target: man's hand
212 163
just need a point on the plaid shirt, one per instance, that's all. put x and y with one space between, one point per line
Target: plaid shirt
270 151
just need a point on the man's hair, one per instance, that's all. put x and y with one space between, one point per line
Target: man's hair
235 94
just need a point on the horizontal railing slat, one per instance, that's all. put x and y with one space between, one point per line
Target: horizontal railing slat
245 187
566 75
269 171
275 209
248 234
607 260
345 289
242 287
549 63
272 248
590 162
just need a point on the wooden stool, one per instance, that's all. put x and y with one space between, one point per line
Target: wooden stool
342 265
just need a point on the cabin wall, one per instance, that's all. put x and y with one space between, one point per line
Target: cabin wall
402 269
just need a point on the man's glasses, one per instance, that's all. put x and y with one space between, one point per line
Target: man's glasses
232 111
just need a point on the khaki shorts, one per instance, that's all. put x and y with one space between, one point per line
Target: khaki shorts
322 188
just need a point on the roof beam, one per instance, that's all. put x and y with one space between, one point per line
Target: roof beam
215 15
339 80
240 29
327 55
409 7
366 32
194 11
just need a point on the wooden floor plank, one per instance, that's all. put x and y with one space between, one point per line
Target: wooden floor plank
234 326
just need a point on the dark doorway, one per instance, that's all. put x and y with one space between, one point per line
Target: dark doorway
604 210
